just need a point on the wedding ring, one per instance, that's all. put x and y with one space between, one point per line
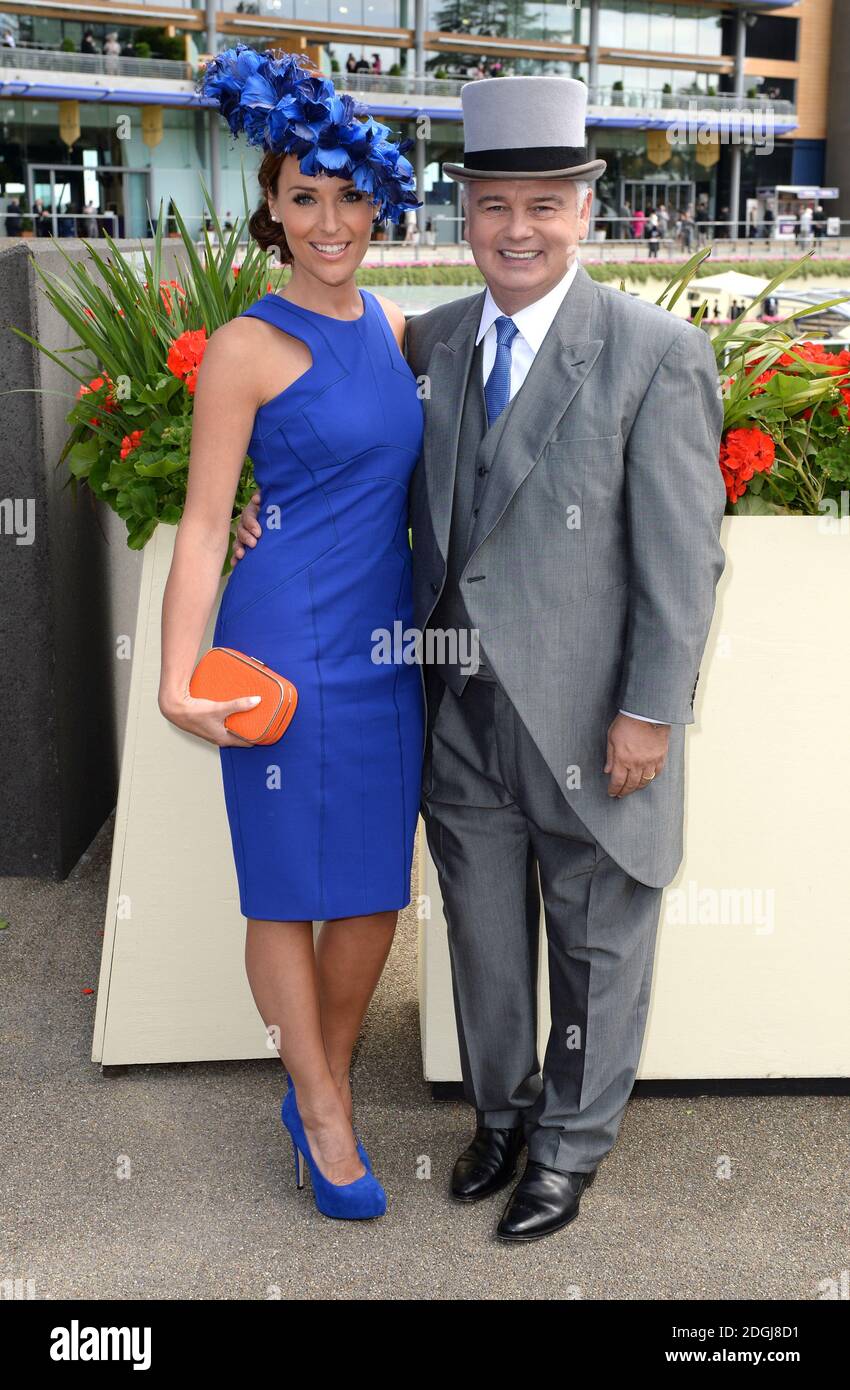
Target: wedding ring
647 779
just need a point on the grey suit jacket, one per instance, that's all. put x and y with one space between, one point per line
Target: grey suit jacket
593 562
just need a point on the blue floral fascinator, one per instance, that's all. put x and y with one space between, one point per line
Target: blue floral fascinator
286 108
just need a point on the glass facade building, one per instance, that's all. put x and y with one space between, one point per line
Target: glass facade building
644 63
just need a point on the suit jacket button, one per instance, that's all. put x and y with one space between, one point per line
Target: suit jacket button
435 588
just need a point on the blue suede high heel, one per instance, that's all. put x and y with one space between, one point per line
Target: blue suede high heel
361 1152
353 1201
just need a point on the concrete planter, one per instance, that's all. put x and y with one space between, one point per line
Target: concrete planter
172 979
752 971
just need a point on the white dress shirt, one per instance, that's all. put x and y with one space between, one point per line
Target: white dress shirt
533 323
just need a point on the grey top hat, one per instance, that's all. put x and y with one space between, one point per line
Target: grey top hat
524 128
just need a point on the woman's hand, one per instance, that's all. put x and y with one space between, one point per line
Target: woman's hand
248 529
205 718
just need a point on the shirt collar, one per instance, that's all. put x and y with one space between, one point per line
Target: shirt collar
535 320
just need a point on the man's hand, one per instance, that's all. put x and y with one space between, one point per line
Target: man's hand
248 529
637 752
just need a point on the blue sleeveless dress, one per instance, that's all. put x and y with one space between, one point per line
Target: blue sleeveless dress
322 822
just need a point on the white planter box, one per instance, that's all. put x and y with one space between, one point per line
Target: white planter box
764 991
172 980
768 772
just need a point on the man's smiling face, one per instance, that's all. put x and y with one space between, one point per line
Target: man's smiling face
524 234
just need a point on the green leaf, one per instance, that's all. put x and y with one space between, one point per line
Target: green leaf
752 505
161 466
140 533
83 457
143 497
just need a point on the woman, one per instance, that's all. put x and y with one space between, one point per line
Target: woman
312 384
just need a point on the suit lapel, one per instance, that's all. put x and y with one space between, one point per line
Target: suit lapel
564 360
447 373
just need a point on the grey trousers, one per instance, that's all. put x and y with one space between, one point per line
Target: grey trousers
495 817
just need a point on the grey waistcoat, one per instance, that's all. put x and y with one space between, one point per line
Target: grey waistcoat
471 477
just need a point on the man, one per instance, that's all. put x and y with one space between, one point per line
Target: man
565 517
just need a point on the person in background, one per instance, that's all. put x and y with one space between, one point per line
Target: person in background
701 222
769 219
638 224
88 227
351 63
112 51
653 235
411 228
376 63
686 229
41 218
87 43
66 222
13 217
8 39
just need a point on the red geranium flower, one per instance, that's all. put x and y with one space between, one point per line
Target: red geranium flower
185 356
106 401
131 442
743 453
760 381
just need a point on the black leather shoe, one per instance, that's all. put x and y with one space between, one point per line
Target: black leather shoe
543 1201
488 1164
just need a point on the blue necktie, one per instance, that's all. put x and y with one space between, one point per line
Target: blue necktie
498 387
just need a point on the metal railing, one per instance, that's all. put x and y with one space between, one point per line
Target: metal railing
650 98
376 84
93 64
673 246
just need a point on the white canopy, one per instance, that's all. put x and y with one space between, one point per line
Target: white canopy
731 282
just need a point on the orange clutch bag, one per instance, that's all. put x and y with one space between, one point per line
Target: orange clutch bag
226 674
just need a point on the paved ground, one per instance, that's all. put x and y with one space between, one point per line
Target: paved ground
211 1210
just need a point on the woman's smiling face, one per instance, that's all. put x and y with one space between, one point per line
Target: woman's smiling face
327 221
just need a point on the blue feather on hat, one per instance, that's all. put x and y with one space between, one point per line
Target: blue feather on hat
285 108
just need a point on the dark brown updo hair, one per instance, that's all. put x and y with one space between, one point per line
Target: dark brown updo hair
265 231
